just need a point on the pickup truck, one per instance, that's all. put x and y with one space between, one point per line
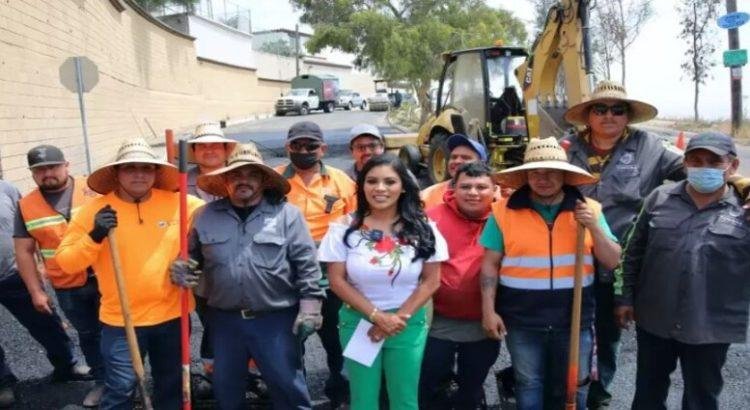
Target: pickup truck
299 100
349 99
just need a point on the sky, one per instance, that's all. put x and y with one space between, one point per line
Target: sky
653 61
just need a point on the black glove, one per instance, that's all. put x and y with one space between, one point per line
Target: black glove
185 273
104 220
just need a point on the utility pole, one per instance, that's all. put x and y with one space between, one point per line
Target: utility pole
735 74
296 49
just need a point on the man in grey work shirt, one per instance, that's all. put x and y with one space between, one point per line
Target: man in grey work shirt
685 278
44 328
260 279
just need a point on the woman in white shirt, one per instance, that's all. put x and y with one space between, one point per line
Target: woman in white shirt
384 264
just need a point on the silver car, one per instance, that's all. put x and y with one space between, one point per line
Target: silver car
349 99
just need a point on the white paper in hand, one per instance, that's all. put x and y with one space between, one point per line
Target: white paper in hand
360 348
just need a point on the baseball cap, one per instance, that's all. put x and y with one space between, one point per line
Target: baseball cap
457 140
716 142
364 129
304 129
42 155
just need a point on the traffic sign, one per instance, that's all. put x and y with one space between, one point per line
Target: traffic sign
733 20
735 58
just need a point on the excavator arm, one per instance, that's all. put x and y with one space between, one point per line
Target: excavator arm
557 73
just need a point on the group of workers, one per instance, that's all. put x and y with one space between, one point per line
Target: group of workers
434 280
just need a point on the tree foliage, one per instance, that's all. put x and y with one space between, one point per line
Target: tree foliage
697 21
602 46
150 5
623 19
541 8
279 47
402 40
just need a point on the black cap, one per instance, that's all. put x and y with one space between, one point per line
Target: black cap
716 142
305 129
42 155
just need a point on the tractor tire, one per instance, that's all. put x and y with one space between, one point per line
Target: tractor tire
410 156
437 159
304 110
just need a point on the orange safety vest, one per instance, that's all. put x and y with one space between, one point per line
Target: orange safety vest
47 227
534 262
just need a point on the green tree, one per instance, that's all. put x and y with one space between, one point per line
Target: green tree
150 5
697 21
403 40
279 47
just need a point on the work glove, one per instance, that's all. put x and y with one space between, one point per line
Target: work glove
184 273
308 319
104 220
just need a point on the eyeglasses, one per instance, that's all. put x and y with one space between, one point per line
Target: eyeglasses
309 147
616 110
365 147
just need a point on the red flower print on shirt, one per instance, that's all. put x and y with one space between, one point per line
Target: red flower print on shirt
385 245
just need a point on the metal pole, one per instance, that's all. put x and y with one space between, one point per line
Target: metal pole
735 81
296 49
82 107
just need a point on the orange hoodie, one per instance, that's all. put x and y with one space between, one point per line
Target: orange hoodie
148 241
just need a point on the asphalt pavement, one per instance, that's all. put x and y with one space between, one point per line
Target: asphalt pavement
27 360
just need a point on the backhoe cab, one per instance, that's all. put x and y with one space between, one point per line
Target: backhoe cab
478 96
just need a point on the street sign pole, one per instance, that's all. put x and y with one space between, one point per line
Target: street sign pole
735 81
82 107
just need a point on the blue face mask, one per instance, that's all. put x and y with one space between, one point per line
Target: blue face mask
705 180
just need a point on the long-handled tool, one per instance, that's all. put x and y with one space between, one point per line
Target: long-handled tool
135 352
184 295
169 145
575 322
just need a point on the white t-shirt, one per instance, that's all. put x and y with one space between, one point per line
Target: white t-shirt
382 271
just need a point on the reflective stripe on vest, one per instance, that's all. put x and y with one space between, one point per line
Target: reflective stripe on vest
47 227
530 260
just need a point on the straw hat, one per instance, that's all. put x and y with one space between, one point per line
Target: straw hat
208 133
245 154
544 153
609 90
134 151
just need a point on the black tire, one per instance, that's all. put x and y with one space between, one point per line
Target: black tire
363 106
349 106
329 107
410 156
280 113
437 159
304 110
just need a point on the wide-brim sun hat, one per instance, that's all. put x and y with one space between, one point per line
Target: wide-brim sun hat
208 133
244 155
134 151
544 154
638 111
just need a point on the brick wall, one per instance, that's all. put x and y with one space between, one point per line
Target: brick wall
147 74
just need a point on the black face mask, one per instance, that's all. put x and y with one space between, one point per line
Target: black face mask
303 160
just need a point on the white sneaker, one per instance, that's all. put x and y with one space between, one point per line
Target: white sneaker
94 396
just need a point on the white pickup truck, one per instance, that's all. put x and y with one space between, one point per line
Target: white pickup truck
299 100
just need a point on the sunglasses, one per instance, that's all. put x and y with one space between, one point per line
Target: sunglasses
297 147
616 110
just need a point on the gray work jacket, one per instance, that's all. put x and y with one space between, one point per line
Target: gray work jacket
192 186
687 271
9 197
266 263
638 165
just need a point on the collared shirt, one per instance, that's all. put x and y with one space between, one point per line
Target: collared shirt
687 270
194 190
9 197
597 161
636 166
329 196
265 263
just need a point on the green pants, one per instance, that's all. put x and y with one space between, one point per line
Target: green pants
400 359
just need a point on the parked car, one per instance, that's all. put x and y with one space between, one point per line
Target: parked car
379 102
299 100
349 99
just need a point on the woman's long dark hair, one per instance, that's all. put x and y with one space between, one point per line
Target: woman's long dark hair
414 227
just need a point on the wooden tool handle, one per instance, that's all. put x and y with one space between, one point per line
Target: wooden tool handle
575 322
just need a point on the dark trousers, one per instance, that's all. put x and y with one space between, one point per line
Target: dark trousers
81 307
473 360
201 308
45 329
701 372
161 343
607 346
337 386
268 339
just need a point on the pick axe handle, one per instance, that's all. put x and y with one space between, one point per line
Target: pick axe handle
135 352
575 322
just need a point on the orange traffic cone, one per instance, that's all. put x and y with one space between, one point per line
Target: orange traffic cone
680 143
